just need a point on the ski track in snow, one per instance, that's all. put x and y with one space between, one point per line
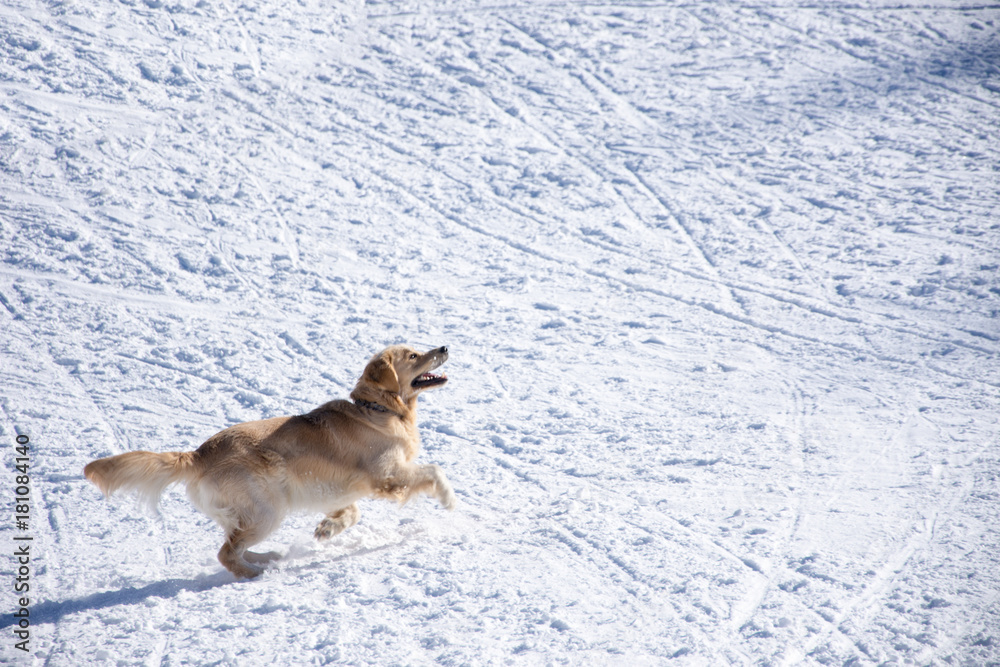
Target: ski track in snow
721 283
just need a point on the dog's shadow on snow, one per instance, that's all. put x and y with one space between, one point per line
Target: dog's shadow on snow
299 558
53 611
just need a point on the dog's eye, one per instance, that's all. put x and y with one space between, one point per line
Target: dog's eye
413 355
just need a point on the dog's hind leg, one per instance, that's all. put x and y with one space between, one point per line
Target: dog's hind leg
337 522
234 555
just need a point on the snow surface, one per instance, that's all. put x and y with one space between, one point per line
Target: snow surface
719 280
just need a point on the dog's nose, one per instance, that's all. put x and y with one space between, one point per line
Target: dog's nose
442 350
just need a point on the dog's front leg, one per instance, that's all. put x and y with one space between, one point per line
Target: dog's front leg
442 488
410 480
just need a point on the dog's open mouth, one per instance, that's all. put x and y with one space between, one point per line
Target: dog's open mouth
429 380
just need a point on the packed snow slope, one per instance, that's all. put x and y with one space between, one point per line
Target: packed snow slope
719 280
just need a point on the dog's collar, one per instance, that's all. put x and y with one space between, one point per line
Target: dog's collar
372 406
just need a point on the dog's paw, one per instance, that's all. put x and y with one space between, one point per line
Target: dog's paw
337 522
243 570
327 528
447 498
324 530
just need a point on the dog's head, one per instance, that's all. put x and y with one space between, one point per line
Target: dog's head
395 376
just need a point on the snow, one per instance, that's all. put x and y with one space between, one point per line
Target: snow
719 283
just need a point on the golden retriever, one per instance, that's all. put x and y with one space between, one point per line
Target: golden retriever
249 476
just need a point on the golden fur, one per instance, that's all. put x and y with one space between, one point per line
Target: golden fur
249 476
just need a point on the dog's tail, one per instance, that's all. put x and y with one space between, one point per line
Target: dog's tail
146 473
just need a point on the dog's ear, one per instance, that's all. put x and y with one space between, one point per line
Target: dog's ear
381 373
